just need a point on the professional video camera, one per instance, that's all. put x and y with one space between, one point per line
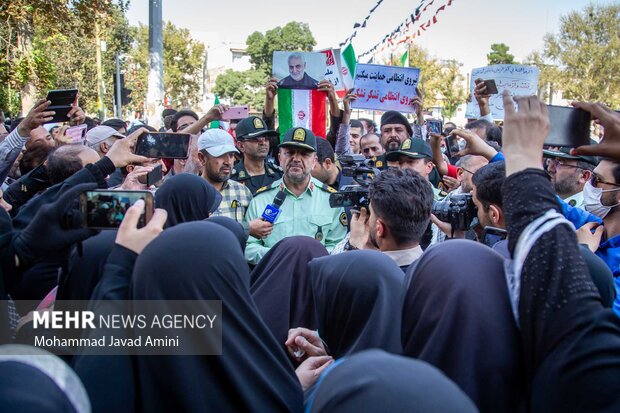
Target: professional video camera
356 196
459 210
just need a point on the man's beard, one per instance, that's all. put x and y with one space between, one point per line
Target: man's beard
372 239
392 145
297 177
565 187
218 177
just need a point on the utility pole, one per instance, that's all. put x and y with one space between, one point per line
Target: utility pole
119 102
155 95
100 85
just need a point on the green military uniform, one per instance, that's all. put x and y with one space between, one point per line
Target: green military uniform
253 183
308 214
248 129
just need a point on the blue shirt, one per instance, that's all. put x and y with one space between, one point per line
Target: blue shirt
608 251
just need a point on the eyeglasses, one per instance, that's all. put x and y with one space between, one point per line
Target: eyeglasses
466 170
556 163
595 180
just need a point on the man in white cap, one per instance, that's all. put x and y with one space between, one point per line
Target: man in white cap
216 149
101 138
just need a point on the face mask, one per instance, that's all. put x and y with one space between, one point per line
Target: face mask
592 200
443 149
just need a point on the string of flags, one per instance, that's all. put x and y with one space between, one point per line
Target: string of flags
408 30
362 25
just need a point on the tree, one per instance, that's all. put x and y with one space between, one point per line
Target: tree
241 88
246 88
549 75
293 36
24 66
587 53
183 61
441 83
499 55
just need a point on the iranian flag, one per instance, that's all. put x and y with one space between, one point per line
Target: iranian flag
347 69
302 108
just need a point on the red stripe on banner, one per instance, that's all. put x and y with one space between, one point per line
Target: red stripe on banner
318 120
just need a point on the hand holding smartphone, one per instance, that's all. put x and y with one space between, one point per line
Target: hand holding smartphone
62 101
106 209
434 126
236 112
152 177
568 127
163 145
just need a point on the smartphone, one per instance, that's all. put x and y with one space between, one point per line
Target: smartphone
61 103
152 177
491 87
106 209
163 145
236 112
568 127
77 134
434 126
452 145
493 235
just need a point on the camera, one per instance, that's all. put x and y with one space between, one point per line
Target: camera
459 210
355 196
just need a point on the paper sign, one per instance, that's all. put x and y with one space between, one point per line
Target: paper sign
520 80
332 70
385 87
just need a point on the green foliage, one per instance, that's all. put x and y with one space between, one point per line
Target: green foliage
587 53
499 55
183 62
440 81
242 88
293 36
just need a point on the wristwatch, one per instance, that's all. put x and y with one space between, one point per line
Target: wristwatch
349 247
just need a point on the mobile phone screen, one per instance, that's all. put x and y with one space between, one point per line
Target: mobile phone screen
452 143
61 103
163 145
435 126
106 209
568 127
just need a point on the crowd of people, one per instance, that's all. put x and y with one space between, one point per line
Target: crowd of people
482 280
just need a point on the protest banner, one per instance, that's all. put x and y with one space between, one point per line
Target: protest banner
385 87
520 80
332 70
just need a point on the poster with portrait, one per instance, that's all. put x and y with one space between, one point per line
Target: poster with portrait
299 70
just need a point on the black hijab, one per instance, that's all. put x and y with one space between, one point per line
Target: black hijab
253 373
33 380
281 286
187 197
233 226
375 381
457 316
358 297
85 270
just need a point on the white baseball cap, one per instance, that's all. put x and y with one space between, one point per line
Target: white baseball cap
100 134
216 142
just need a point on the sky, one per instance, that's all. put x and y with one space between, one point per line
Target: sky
464 31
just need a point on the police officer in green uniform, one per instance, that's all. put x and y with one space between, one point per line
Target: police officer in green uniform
569 173
254 170
305 210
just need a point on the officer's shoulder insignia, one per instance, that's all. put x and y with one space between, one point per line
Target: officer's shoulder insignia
406 144
343 219
258 123
379 164
572 202
241 174
299 135
327 188
261 189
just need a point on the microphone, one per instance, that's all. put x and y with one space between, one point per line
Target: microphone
272 211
